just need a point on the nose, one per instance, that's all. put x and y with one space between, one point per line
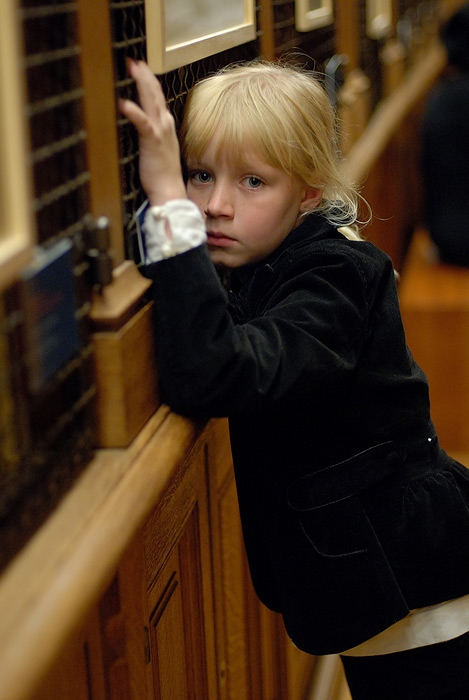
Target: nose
220 202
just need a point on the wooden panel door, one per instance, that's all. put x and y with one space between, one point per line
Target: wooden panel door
79 672
177 648
166 591
235 609
297 670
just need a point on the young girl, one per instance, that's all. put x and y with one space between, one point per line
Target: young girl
356 523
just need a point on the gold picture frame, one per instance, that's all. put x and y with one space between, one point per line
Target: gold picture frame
16 229
181 32
378 18
311 14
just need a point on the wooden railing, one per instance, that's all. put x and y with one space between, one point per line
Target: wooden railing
384 160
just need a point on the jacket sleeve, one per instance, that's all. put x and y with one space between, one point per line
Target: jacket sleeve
309 334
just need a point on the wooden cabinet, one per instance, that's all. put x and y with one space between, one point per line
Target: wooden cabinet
180 619
79 674
165 583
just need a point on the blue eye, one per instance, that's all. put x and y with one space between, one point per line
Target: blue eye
201 176
254 181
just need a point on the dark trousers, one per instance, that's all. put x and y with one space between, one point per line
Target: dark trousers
435 672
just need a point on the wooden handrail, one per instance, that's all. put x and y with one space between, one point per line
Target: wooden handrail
52 583
391 112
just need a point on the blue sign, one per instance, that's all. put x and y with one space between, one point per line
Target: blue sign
49 306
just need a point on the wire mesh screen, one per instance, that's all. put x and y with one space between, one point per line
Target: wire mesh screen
52 64
45 419
315 47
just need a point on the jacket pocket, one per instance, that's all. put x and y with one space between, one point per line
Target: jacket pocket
342 589
337 530
327 502
339 587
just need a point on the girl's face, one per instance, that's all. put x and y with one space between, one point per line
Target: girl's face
249 208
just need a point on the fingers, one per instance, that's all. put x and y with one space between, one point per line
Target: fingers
152 114
149 90
159 159
132 111
136 116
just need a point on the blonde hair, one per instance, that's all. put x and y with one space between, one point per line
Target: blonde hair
284 112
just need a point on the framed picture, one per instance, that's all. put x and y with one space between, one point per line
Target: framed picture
310 14
16 229
183 31
378 18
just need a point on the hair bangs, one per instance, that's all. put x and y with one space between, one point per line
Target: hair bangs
240 117
282 113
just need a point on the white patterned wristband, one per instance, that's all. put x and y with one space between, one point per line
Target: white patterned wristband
173 228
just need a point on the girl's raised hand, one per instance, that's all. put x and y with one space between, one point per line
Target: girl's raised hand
159 161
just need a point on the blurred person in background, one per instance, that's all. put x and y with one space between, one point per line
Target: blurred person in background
445 147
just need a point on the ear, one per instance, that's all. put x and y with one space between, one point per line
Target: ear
311 199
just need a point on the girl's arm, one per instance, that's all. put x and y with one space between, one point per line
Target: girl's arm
159 160
306 340
172 224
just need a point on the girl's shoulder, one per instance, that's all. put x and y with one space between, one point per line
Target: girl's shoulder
325 261
333 244
316 256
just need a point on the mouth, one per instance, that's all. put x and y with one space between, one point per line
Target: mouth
220 240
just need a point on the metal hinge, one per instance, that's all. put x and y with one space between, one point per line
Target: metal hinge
96 238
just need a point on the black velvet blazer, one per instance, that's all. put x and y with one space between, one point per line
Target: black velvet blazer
351 512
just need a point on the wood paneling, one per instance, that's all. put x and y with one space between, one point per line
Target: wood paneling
100 118
179 618
347 32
